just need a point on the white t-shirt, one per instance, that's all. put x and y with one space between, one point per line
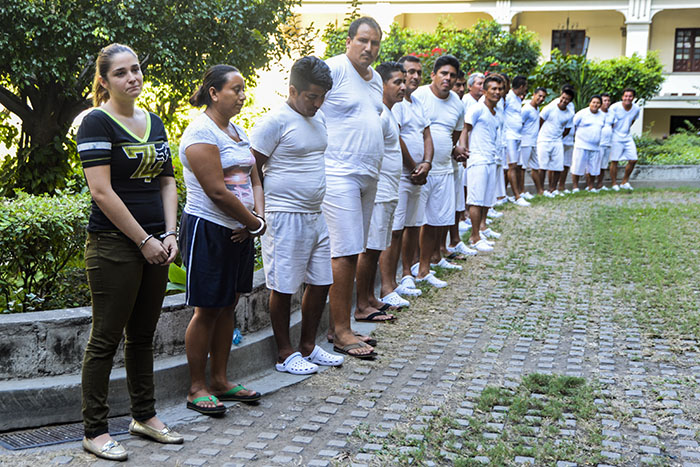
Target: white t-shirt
446 116
388 185
588 126
236 161
513 118
295 171
606 135
484 135
555 122
411 119
468 100
622 121
531 125
352 109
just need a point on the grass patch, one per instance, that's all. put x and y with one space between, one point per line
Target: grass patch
651 255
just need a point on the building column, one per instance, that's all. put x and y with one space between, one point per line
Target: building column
383 12
637 38
503 14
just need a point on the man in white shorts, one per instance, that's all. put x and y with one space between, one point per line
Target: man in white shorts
605 142
531 128
417 153
588 124
623 115
354 154
513 123
568 142
445 112
475 85
381 225
480 139
288 145
556 121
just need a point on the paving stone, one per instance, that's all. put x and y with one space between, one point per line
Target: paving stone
279 459
337 443
172 447
256 446
61 460
209 451
201 428
310 427
328 453
335 400
293 449
195 461
318 463
267 435
158 457
524 460
247 455
302 439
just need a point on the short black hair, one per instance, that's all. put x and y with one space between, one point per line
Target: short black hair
634 93
596 96
569 91
492 77
310 70
544 90
408 58
567 86
506 78
604 94
460 74
519 81
369 21
446 60
387 69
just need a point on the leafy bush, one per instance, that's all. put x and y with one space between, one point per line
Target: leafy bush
678 149
484 47
39 237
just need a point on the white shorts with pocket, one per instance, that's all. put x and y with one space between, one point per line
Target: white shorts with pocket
623 151
604 157
459 188
568 155
296 249
410 211
348 208
528 158
513 151
439 195
500 182
482 184
550 155
585 161
380 227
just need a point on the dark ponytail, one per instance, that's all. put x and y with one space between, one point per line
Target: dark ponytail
215 77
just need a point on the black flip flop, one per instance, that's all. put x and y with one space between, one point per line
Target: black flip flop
371 316
371 341
216 411
345 350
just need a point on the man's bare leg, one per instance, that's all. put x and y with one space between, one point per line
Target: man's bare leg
389 261
513 177
590 179
409 249
574 181
599 181
477 214
366 275
536 176
613 173
562 178
553 180
628 171
340 298
429 242
454 230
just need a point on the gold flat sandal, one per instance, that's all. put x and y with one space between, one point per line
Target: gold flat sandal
165 436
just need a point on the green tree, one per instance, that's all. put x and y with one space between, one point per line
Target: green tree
47 51
484 47
589 77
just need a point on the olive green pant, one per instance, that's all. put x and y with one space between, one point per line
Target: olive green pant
127 295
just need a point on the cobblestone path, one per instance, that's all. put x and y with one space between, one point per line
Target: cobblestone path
534 306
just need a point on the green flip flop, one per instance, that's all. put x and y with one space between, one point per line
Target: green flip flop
233 396
211 411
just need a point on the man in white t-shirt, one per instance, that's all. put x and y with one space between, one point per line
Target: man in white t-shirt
605 141
460 85
446 115
513 121
528 146
556 121
588 124
380 228
623 115
353 157
480 138
288 145
417 153
568 144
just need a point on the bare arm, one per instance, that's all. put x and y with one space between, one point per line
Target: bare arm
168 193
100 184
260 160
566 132
541 122
420 172
205 163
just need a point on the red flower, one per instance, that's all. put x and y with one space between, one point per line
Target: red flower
494 64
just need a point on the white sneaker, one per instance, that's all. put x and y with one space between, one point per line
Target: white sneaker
594 190
502 201
415 267
488 221
488 233
557 193
616 188
527 195
604 188
511 199
408 287
576 190
461 248
482 246
522 202
483 237
567 191
394 299
444 264
548 194
464 226
432 280
493 213
626 186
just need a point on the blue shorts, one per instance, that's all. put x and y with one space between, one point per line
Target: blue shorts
217 268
